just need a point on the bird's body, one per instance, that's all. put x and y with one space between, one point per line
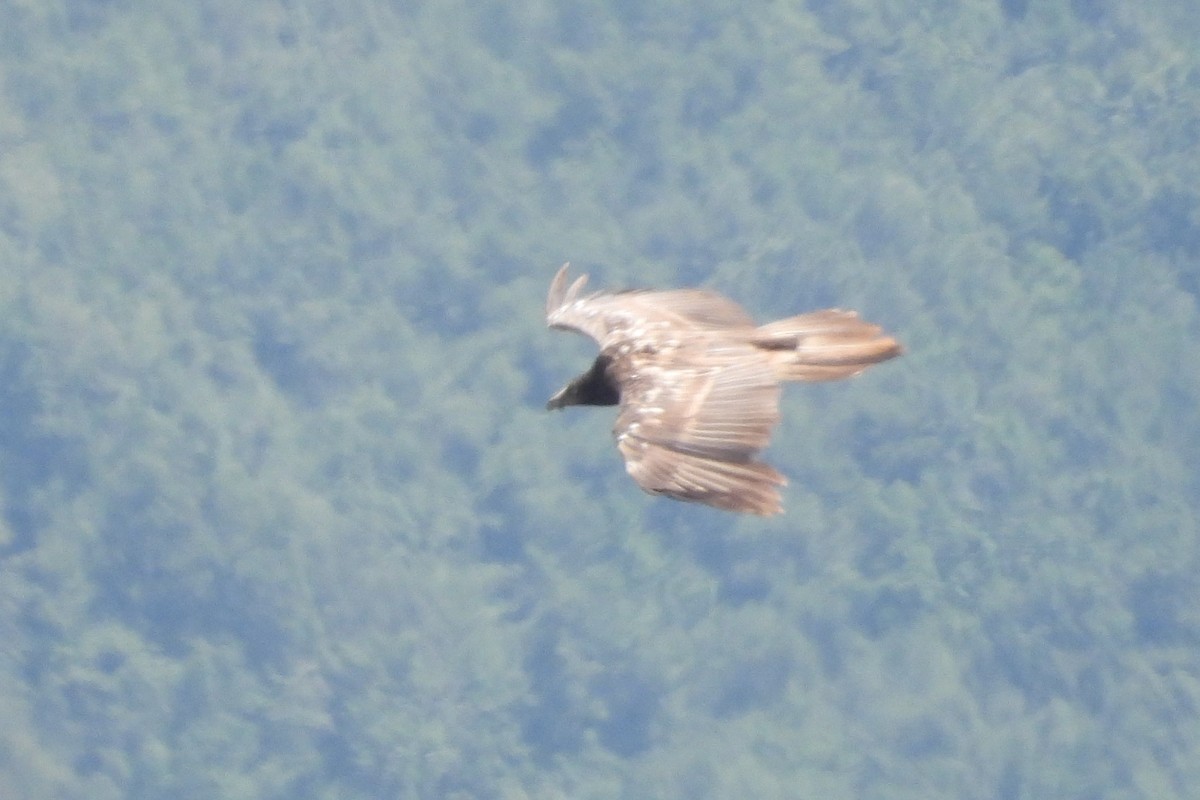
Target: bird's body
698 383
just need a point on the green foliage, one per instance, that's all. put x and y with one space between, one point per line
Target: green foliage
280 512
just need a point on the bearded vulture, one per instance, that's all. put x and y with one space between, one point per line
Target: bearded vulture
697 382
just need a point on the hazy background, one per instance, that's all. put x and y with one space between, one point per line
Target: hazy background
281 515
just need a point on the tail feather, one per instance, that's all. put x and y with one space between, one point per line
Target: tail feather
824 345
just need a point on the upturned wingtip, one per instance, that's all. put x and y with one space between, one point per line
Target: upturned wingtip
554 298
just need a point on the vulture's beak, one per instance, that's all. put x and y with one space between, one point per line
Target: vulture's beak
556 401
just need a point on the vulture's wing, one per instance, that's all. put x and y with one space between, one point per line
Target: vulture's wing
694 417
615 317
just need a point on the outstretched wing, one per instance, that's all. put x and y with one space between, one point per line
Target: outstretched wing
612 318
694 417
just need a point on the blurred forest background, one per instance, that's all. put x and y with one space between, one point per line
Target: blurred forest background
281 513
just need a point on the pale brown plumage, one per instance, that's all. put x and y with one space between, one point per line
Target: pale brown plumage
698 382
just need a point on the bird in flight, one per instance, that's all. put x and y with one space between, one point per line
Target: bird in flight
698 382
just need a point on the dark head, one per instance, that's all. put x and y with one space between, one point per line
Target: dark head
593 388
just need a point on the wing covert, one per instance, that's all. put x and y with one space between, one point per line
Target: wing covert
693 420
714 399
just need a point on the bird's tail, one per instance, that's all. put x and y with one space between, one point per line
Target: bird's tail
824 345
